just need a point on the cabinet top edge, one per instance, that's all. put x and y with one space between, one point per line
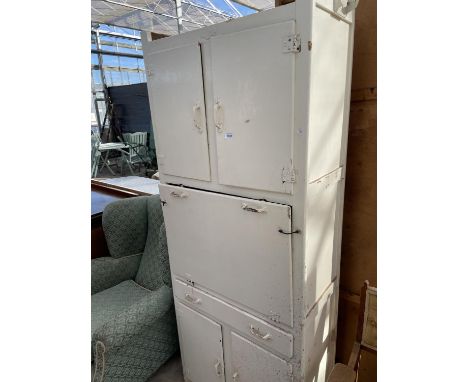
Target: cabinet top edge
270 16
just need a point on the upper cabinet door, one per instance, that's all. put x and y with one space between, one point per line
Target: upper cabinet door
253 80
175 85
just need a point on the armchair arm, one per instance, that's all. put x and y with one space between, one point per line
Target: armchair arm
107 272
137 319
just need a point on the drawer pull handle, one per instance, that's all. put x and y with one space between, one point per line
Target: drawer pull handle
178 195
218 369
191 299
256 332
246 207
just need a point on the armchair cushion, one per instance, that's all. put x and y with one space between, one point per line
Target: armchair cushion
108 304
125 225
107 272
132 344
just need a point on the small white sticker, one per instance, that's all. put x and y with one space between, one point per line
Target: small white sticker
227 135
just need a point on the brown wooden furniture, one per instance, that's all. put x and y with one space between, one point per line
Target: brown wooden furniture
366 337
101 196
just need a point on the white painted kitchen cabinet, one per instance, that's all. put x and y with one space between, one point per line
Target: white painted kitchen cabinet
178 106
250 120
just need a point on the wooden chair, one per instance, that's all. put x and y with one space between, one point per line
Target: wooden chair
366 337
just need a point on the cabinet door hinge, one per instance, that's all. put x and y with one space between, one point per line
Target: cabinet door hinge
288 175
292 44
346 5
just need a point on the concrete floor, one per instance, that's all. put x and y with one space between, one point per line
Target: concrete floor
170 372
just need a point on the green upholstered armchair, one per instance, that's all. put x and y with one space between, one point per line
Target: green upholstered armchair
133 325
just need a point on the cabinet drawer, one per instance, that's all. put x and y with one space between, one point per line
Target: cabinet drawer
252 327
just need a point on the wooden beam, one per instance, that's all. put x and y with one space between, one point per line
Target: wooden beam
368 94
157 36
278 3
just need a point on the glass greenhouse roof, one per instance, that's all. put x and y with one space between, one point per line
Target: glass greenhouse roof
160 16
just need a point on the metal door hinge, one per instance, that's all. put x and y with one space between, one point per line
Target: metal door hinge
275 317
288 175
188 280
346 6
292 44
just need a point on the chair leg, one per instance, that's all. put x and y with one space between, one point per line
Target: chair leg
130 167
106 163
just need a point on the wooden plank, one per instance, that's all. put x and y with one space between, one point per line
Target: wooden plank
157 36
365 46
278 3
369 335
354 357
101 196
342 373
369 94
359 245
118 190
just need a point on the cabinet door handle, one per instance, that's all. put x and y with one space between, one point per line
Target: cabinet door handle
256 332
178 194
246 207
289 233
197 118
191 299
219 116
235 376
218 369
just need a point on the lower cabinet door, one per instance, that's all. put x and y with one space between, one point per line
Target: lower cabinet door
251 363
201 346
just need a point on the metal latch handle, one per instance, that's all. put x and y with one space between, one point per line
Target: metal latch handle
289 233
256 332
219 116
246 207
218 368
179 195
191 299
197 117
